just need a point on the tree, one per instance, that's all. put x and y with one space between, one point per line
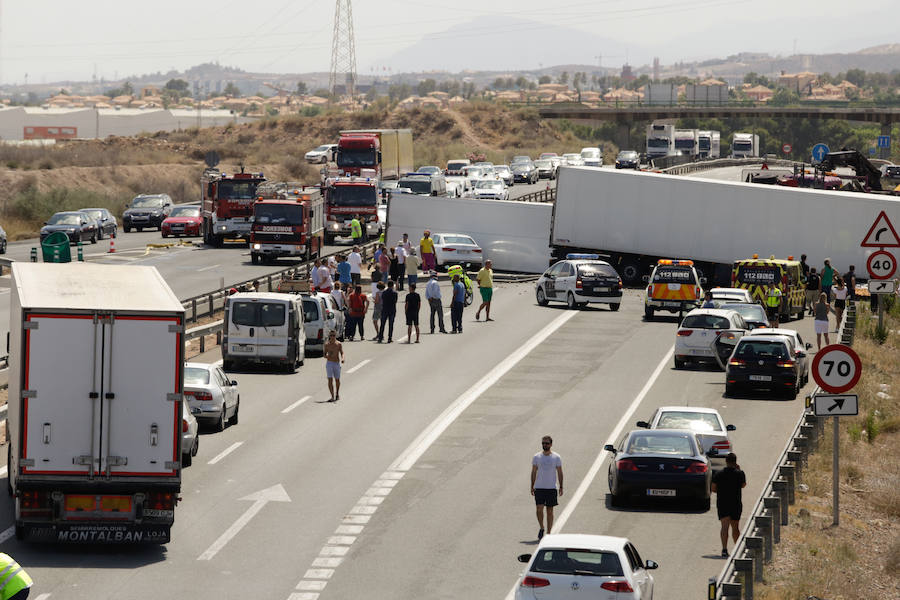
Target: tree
232 90
126 90
521 82
755 79
544 79
426 86
784 97
179 86
564 78
301 88
856 76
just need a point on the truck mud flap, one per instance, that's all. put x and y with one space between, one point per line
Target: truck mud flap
95 533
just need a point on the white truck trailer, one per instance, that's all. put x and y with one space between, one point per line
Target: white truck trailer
745 145
660 140
637 218
96 363
709 144
687 142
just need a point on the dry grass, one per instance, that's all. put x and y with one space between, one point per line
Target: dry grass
861 557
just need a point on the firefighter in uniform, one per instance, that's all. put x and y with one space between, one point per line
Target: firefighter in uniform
14 581
356 230
773 304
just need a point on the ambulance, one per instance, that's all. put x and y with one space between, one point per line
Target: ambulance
756 274
673 286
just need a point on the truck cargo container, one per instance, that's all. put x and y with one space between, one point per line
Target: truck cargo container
687 142
660 140
745 145
709 144
388 151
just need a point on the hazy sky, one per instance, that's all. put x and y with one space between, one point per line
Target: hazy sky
52 40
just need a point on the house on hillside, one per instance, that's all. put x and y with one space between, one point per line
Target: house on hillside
799 83
757 93
622 95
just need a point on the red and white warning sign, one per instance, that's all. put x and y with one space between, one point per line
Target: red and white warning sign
881 234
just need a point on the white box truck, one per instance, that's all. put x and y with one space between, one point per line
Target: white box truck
687 142
96 363
745 145
637 218
660 140
709 144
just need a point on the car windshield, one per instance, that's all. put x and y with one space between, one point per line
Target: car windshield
257 314
628 155
237 190
196 376
744 146
64 219
501 169
543 163
522 166
695 421
761 349
310 310
322 148
590 153
570 561
458 239
94 214
456 166
660 444
750 312
278 214
657 143
353 157
429 170
674 275
705 322
596 270
474 171
352 195
147 202
488 183
185 211
418 186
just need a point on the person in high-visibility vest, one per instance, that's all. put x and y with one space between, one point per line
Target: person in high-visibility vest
355 229
773 304
14 581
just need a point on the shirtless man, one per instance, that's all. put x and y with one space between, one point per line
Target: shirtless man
334 356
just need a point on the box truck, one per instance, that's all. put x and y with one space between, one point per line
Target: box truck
745 145
660 140
96 364
709 144
687 142
637 218
388 151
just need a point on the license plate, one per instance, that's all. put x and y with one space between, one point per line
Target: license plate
654 492
760 378
242 348
699 352
601 289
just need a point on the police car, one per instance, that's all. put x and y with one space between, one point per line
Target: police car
673 286
579 280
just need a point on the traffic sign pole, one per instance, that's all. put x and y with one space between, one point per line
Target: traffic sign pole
835 473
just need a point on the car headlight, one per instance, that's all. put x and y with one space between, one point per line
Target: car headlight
257 246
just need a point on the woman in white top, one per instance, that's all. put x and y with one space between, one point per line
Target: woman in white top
840 292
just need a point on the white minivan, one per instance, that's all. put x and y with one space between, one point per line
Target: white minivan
592 157
264 327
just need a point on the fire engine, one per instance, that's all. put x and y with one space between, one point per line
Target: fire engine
227 205
288 220
349 196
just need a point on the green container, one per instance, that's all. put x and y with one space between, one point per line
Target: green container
55 248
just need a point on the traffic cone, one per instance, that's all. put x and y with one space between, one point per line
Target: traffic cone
112 245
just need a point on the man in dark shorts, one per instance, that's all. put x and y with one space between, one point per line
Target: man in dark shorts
388 312
727 485
546 467
411 308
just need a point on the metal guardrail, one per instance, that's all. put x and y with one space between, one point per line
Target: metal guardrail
548 195
704 165
762 530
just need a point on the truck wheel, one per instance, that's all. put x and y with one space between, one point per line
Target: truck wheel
541 297
570 301
237 408
140 229
227 365
164 234
648 313
631 271
329 239
20 532
9 470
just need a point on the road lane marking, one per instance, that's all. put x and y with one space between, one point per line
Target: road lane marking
225 452
338 545
209 268
603 455
275 493
3 471
295 404
359 366
42 597
7 533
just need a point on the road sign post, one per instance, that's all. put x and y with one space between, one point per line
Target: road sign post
836 368
881 265
786 148
818 152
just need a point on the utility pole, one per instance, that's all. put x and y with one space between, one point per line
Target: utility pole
343 49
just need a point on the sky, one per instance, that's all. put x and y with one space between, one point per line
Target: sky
44 41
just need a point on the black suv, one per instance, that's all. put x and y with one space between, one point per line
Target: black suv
146 210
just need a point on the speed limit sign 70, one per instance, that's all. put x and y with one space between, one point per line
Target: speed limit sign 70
881 265
836 368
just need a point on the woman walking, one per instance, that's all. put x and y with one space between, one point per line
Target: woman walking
822 309
384 264
840 292
395 269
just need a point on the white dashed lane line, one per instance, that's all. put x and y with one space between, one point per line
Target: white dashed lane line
295 404
225 453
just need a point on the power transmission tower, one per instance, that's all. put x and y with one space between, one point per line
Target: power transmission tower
343 48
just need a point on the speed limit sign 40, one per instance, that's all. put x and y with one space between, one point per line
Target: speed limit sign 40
836 368
881 265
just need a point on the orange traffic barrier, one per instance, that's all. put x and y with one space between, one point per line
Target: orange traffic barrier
112 245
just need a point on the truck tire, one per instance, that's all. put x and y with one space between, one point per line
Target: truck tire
9 470
217 240
541 297
186 460
329 239
630 270
615 306
227 365
139 229
20 532
648 313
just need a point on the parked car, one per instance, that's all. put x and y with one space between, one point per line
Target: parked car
801 348
579 280
754 314
146 210
190 435
318 320
557 162
77 225
423 184
490 189
628 159
707 423
592 157
659 463
696 337
504 173
386 187
570 565
263 328
459 185
764 362
2 241
183 220
208 389
106 221
456 249
545 168
322 154
524 171
473 174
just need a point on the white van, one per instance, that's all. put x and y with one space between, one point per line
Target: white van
320 316
592 157
264 327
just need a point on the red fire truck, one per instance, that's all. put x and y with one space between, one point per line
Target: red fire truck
349 196
227 207
288 220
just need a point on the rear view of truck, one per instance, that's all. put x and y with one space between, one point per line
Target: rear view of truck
95 393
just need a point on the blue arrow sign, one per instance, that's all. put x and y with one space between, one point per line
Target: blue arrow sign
884 141
819 151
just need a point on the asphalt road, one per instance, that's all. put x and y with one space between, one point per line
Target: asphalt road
415 484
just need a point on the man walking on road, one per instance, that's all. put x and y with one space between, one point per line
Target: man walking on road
813 287
827 278
334 356
485 279
411 307
355 260
356 230
433 295
359 304
727 485
546 468
426 249
388 312
457 304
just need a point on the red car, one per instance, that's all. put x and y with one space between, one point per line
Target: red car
183 220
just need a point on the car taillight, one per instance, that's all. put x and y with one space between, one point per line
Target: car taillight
160 501
685 332
626 465
736 362
449 249
534 582
320 334
578 284
620 283
184 426
696 292
617 586
697 467
722 445
477 250
785 363
201 396
649 289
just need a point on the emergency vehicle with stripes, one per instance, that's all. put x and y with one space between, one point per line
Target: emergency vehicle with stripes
756 275
673 286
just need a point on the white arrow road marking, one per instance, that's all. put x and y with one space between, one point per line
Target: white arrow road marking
275 493
225 453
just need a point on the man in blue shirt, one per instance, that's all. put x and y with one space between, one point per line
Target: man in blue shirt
456 306
343 270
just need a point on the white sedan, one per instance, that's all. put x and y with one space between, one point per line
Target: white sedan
456 249
732 295
209 391
701 328
490 189
573 160
460 185
322 154
707 423
570 565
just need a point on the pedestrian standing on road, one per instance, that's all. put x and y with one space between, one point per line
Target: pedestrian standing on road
325 280
358 305
841 293
457 304
820 323
343 270
377 254
314 274
384 264
355 230
433 295
255 284
340 298
827 278
355 260
334 357
401 253
411 307
406 243
546 469
804 266
727 485
16 583
388 312
850 282
773 304
708 300
378 288
426 249
813 289
412 268
485 279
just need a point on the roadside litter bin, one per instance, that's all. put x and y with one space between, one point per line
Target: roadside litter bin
55 248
